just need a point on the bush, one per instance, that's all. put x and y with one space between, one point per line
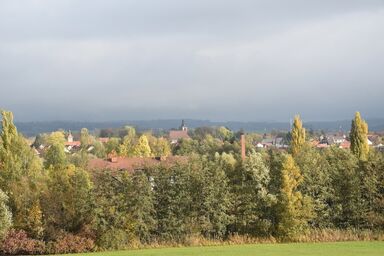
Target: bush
69 243
115 239
17 242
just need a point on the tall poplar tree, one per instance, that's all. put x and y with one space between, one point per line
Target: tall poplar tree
297 136
358 137
293 210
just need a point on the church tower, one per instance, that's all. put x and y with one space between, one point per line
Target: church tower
70 137
183 127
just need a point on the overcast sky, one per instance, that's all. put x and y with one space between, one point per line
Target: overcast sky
245 60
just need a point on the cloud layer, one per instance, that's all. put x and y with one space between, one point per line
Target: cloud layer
219 60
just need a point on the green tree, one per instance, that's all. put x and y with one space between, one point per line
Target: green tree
160 147
317 184
5 215
172 202
55 156
128 143
345 200
20 170
358 137
297 136
140 203
142 147
293 209
224 133
85 138
114 225
67 202
112 145
210 195
252 200
371 184
56 138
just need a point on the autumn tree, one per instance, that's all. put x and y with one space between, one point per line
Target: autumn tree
5 215
67 201
297 136
160 147
142 148
293 210
20 171
358 137
85 138
126 148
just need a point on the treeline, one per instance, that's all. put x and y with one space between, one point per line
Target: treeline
58 206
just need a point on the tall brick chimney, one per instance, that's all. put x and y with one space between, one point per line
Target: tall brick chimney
242 146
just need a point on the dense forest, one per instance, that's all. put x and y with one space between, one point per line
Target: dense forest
53 203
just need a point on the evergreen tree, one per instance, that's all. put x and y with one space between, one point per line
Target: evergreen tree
297 136
142 147
358 137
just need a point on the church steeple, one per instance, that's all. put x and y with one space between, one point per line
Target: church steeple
70 137
183 127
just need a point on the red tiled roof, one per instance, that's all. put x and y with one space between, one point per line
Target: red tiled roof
322 145
132 163
73 143
103 140
175 135
346 144
314 143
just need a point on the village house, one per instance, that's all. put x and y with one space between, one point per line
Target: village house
277 142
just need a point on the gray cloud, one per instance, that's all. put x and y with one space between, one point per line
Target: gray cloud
222 60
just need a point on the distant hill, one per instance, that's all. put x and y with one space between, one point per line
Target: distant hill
33 128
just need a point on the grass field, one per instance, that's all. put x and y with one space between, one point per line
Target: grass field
310 249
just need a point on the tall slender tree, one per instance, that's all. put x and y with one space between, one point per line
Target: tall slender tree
293 209
297 136
359 137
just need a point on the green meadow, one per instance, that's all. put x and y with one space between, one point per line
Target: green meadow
292 249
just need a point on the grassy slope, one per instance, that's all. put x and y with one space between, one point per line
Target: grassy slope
326 249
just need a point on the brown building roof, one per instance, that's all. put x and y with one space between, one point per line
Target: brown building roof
132 163
73 143
103 140
176 135
346 144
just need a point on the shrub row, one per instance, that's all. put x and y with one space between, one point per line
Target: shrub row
17 242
